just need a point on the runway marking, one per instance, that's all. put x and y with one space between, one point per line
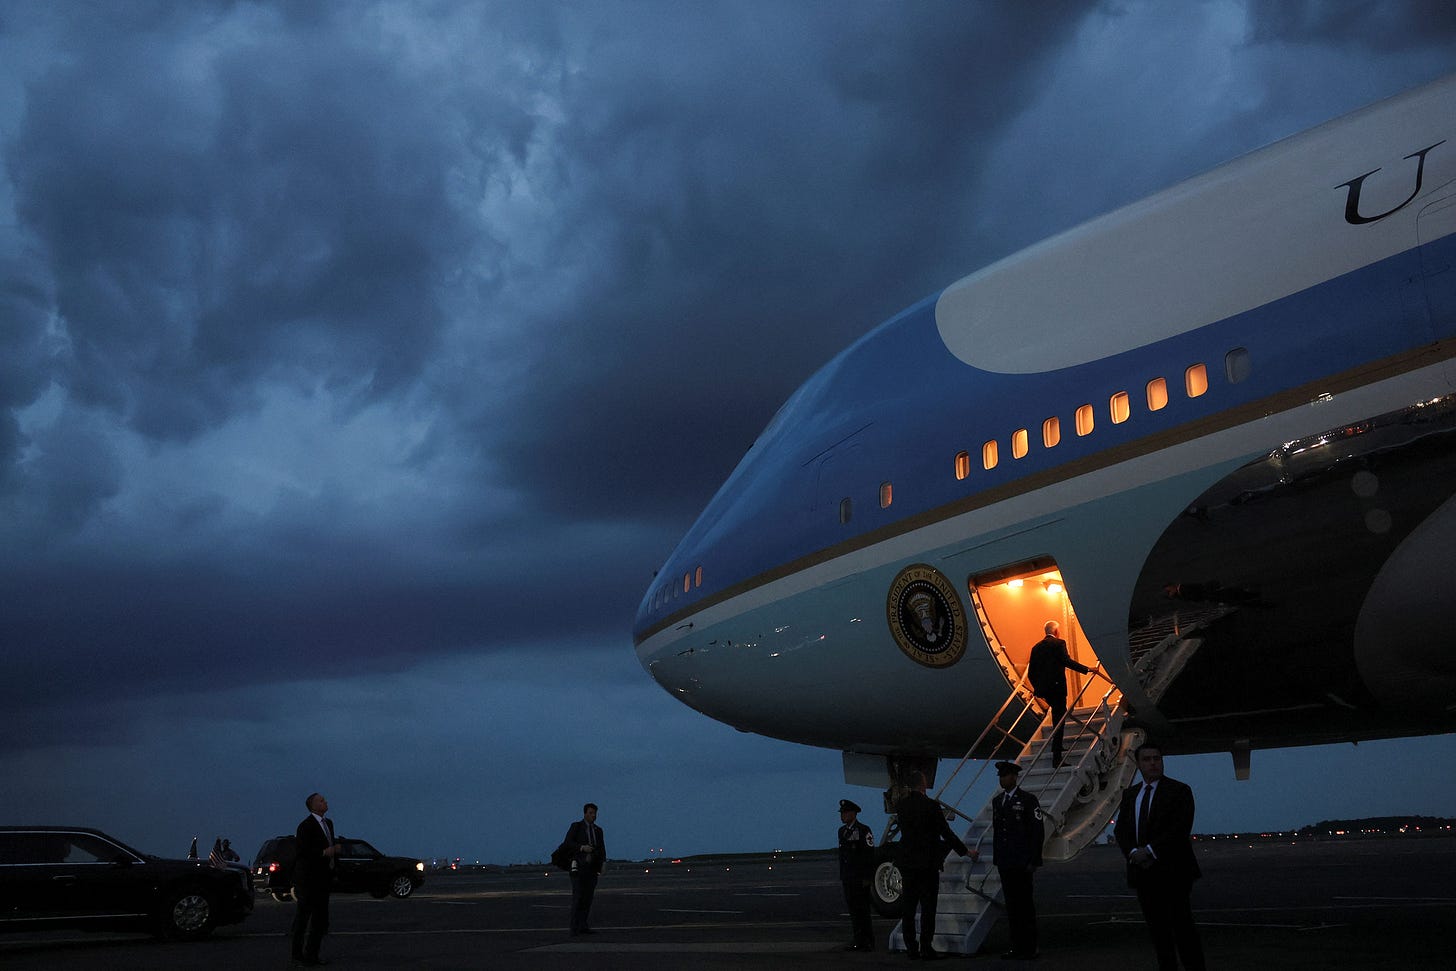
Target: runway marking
1424 900
691 947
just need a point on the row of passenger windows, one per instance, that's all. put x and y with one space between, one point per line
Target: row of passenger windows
1236 366
1119 410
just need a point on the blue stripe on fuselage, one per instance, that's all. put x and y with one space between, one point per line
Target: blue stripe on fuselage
896 407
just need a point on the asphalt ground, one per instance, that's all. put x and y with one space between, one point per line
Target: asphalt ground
1359 905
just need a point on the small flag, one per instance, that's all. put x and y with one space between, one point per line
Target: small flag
215 857
192 853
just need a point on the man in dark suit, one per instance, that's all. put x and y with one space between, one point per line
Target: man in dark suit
1047 672
925 838
591 857
312 875
1154 827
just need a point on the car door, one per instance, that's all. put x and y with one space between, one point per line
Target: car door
358 866
31 886
102 881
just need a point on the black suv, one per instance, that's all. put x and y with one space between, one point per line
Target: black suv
75 876
359 868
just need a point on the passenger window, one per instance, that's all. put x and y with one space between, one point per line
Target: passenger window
1019 443
698 577
1121 407
1195 379
963 465
1051 432
687 582
1236 365
1084 420
1157 394
845 510
989 456
887 495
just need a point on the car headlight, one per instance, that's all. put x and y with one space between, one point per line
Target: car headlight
420 867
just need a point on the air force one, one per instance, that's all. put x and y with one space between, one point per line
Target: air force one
1213 434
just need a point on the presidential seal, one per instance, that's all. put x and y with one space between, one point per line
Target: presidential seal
926 616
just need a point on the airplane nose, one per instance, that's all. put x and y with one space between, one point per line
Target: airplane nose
1403 635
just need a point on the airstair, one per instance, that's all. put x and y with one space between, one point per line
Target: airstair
1078 798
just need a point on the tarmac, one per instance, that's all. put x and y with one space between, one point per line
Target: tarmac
1360 904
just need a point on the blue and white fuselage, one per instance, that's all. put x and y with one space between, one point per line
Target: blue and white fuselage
1236 391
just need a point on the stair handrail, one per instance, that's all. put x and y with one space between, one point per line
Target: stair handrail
994 723
1103 707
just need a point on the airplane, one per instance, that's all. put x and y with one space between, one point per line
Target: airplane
1217 424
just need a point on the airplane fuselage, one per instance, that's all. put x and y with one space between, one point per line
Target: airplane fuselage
1231 401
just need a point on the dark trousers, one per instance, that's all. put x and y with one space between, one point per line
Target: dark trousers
583 886
921 888
1168 910
857 899
310 920
1059 711
1016 890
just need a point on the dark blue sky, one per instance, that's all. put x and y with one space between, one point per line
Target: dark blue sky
360 362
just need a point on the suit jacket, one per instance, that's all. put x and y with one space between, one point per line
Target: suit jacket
1047 669
312 868
1169 831
576 836
925 836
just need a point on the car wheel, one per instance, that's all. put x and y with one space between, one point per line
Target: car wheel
402 886
887 887
189 915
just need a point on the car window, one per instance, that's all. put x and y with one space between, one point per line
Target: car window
85 848
359 848
32 848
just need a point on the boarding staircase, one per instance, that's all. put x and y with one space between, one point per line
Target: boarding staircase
1078 798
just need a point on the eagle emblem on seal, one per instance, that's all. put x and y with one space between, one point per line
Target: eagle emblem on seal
926 617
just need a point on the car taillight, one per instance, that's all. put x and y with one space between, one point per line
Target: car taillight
273 868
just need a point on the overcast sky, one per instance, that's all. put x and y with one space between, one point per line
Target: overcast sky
359 363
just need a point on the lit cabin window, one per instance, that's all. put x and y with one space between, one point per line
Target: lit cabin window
1020 444
1236 365
1051 432
989 457
1084 420
687 582
887 495
1157 394
1121 407
1195 379
846 510
698 577
963 465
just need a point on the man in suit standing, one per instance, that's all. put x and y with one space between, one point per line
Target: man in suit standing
1018 834
1047 671
925 838
591 857
1154 829
312 875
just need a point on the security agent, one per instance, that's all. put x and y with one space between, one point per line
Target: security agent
856 870
1018 836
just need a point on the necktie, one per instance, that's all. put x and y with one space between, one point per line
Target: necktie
1142 820
590 836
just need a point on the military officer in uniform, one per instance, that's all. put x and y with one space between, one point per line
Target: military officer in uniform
856 870
1018 836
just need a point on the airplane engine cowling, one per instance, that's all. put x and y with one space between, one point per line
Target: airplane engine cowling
1407 624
